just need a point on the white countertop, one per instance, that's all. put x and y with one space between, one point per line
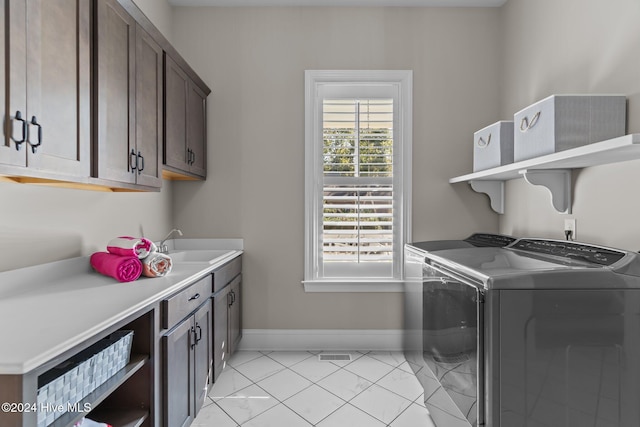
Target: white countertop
48 309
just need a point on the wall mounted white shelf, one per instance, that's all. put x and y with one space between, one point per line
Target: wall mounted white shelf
552 171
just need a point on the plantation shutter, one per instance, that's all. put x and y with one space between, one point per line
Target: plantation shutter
358 218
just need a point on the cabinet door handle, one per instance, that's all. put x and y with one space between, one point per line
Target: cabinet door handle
199 334
229 300
233 297
34 122
18 117
196 296
193 337
141 166
193 157
133 161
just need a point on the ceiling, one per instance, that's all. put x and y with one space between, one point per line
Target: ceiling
401 3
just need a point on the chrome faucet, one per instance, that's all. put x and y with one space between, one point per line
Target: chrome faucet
162 247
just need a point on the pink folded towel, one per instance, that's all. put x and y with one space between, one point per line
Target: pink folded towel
121 268
156 265
131 246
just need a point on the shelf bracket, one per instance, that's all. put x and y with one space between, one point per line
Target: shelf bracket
557 181
493 189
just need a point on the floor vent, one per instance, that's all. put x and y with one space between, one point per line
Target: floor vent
334 357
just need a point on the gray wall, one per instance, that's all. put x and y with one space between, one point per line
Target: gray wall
254 59
573 46
41 224
160 12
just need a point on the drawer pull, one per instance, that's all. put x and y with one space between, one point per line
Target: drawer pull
482 143
525 124
196 296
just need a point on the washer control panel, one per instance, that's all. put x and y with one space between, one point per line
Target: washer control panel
577 251
490 240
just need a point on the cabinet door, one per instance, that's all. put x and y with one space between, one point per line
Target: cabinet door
220 332
148 109
203 354
235 315
197 130
58 86
116 83
13 84
178 375
175 143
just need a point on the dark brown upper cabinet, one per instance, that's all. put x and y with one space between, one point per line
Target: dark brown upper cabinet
128 74
83 99
45 95
185 139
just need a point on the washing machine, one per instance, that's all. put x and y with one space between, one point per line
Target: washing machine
544 333
419 324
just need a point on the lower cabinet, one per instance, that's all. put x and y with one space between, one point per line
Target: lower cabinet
187 367
201 328
220 328
227 324
234 315
227 313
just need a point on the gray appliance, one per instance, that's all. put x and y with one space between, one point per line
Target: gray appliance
539 333
414 316
414 254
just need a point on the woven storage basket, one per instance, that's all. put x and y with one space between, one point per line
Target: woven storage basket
70 382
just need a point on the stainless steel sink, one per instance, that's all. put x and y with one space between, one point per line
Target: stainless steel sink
208 256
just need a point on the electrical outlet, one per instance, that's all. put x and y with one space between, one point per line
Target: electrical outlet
570 225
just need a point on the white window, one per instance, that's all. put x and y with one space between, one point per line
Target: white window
357 178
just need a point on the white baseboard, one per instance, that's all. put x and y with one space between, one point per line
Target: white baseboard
321 339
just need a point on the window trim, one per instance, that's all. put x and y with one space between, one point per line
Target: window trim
403 79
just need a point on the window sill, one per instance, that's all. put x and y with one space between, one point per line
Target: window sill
353 285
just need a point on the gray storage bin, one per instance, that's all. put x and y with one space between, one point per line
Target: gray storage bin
493 146
561 122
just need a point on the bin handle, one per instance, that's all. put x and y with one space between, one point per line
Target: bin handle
525 124
482 143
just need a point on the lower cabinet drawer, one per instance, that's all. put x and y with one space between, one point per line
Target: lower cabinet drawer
223 275
180 305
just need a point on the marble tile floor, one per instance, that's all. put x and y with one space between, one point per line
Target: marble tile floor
295 389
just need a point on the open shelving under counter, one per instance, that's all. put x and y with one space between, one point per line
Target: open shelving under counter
552 171
118 417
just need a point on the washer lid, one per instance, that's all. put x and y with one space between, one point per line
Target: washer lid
536 264
475 240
